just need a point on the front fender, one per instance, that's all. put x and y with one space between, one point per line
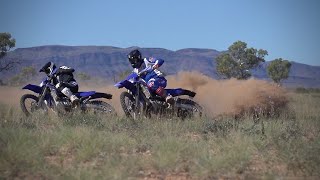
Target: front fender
126 84
34 88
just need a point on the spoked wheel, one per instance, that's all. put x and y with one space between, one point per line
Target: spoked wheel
188 109
128 105
100 107
28 104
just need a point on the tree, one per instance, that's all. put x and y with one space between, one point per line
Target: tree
6 43
239 60
121 75
28 72
279 70
25 75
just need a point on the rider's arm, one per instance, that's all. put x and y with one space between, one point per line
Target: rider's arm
145 70
151 64
158 63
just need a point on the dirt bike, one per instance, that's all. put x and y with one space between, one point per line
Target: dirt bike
139 102
62 105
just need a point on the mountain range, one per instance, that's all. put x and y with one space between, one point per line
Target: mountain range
107 61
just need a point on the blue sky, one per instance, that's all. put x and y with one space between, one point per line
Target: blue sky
289 29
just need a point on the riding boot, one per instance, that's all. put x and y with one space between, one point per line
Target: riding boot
168 97
169 100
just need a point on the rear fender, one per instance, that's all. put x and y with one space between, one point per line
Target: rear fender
85 94
180 92
93 95
101 95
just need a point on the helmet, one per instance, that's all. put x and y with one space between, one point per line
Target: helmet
48 68
135 58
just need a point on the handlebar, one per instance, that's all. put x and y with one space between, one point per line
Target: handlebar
146 70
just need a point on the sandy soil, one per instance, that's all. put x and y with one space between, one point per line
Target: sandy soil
10 95
216 96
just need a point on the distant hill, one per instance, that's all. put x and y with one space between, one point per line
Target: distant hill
107 61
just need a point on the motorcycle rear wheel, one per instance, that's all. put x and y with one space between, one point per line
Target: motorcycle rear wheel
100 107
194 111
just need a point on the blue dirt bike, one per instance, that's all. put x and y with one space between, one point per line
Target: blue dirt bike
62 105
138 102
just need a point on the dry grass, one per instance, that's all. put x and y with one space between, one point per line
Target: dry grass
285 146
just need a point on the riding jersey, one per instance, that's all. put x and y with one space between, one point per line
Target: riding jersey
150 71
63 77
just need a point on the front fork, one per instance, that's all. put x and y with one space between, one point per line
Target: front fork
138 98
41 97
137 103
50 102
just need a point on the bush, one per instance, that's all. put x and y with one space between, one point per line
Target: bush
2 83
307 90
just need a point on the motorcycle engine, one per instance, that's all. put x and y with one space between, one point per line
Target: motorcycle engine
158 105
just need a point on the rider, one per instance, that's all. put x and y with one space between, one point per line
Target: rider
150 73
63 80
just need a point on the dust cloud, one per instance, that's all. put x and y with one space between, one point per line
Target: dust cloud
230 96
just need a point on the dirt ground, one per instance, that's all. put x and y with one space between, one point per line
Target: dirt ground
216 96
10 95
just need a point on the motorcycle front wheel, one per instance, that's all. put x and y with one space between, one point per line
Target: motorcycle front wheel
128 104
29 105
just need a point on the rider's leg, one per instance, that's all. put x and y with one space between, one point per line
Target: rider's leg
157 86
67 89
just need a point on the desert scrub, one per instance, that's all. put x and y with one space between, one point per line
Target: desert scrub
88 146
19 151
